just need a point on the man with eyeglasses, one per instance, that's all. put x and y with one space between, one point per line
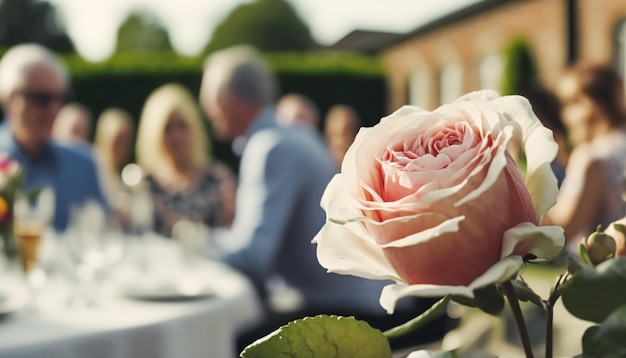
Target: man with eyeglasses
33 88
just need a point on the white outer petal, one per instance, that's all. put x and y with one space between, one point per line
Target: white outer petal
539 147
340 251
546 241
403 112
482 95
333 189
392 293
500 272
421 354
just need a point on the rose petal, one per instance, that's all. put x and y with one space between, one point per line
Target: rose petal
498 163
498 273
394 292
450 225
340 251
333 189
545 241
485 95
539 147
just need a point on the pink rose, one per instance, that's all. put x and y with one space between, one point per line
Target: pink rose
8 169
433 200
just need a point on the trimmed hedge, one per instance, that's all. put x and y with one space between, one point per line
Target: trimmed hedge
327 78
519 67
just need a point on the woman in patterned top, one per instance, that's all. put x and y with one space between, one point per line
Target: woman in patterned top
172 149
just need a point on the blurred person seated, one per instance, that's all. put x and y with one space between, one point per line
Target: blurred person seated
73 124
295 108
113 145
592 98
283 173
547 107
33 88
341 126
172 148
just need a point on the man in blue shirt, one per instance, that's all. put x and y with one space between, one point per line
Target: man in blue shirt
282 175
33 87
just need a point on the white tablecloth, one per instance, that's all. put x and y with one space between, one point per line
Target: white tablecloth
119 327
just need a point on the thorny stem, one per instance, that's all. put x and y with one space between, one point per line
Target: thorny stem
509 292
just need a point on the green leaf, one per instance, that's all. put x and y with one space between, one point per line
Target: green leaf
583 253
431 354
573 266
607 340
433 312
488 299
321 336
525 294
593 294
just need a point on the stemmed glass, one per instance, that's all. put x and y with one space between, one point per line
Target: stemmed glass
95 244
29 227
193 237
141 213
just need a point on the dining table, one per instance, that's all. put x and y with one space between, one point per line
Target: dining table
156 302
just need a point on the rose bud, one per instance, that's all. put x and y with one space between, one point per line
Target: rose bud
618 231
597 248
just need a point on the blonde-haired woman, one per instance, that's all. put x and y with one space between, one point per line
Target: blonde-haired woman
172 148
112 147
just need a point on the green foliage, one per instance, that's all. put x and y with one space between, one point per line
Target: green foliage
593 294
142 32
269 25
324 337
488 299
525 294
519 67
23 21
607 340
126 79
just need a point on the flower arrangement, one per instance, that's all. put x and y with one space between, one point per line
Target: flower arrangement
11 181
434 202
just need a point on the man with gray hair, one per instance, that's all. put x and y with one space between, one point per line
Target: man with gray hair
282 176
33 88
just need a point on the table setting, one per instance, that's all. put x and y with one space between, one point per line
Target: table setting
97 290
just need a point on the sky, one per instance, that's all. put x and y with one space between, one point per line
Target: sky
93 24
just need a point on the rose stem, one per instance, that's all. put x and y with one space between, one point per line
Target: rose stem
509 291
554 296
433 312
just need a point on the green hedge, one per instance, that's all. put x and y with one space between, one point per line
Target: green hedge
328 78
519 67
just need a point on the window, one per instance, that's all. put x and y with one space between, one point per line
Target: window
450 84
418 89
490 72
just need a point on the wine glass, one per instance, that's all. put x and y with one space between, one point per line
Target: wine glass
95 245
28 229
192 236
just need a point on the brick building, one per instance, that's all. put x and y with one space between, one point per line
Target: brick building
462 51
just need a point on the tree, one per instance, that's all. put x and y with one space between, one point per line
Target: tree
520 70
142 32
269 25
32 21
